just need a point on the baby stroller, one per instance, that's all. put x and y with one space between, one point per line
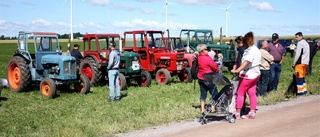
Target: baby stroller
222 101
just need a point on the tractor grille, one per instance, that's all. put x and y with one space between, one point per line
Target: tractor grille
69 67
66 67
179 56
73 67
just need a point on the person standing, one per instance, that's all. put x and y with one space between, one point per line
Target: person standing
220 63
240 50
313 51
249 72
76 54
292 48
277 51
212 54
113 72
266 59
205 65
300 63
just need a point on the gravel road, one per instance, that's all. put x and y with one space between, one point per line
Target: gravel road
299 117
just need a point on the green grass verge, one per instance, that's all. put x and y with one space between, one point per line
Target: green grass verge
72 114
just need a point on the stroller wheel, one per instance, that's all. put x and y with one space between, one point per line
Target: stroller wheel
227 118
199 119
232 120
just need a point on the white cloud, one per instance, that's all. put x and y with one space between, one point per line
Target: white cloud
147 11
27 3
263 6
123 7
150 24
203 2
99 2
41 22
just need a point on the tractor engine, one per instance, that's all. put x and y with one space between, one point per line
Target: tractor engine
59 67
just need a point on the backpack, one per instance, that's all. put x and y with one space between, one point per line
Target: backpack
194 68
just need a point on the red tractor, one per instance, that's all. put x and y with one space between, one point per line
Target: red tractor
155 57
96 52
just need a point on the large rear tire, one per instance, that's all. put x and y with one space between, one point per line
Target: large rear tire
48 88
122 82
163 77
89 67
83 86
145 79
185 76
18 74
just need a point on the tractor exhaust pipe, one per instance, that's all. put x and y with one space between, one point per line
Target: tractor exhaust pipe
220 36
171 47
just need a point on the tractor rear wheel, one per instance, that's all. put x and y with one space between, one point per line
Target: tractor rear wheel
145 79
18 74
48 88
185 75
89 67
83 86
122 81
163 77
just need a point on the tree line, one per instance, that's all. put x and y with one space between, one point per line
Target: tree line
63 36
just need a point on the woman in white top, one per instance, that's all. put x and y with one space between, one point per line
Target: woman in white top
249 72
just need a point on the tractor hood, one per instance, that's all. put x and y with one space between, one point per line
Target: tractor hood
129 54
55 59
216 46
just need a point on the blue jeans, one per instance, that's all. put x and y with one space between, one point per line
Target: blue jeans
207 86
113 76
275 71
263 82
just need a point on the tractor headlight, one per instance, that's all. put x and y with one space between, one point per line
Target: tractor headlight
103 54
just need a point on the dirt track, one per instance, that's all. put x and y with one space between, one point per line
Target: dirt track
297 118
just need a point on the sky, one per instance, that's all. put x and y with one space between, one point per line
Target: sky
262 17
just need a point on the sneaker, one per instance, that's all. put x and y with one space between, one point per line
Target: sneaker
251 115
236 115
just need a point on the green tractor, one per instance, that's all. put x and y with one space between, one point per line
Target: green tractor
193 37
40 62
95 62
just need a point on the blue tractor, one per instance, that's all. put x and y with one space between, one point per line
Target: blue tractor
37 60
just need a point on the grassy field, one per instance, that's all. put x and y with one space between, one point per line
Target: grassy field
72 114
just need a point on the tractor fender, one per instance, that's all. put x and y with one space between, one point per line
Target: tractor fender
93 57
23 56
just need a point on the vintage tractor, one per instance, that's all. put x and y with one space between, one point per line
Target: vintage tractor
154 55
96 52
193 37
37 61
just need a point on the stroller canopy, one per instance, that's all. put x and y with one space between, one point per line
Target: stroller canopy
217 78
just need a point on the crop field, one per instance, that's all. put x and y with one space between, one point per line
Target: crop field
72 114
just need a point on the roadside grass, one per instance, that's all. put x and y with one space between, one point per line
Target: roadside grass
72 114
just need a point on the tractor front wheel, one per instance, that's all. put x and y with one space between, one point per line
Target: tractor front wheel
48 88
18 74
185 75
82 86
145 79
163 77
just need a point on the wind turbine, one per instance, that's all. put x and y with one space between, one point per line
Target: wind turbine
166 6
227 15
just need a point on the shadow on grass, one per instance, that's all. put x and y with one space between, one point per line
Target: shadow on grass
3 99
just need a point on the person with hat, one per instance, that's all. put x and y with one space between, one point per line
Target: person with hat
277 51
76 54
113 72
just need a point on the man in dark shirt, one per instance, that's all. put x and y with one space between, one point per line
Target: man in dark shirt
76 54
277 51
